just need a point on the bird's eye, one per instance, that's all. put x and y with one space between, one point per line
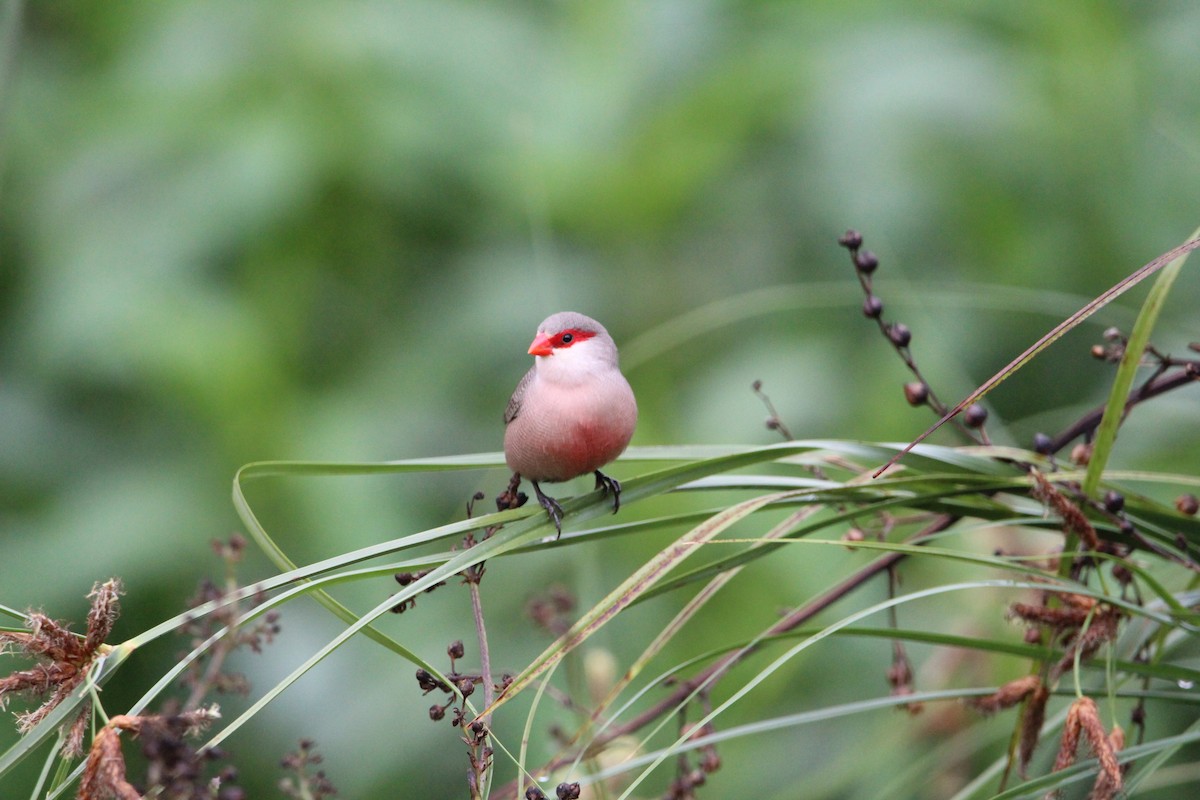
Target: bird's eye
566 338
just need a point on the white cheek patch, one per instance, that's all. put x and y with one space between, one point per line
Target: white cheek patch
569 365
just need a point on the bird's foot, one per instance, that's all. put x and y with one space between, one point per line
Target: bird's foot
552 507
606 484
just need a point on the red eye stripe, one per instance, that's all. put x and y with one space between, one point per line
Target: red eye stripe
570 337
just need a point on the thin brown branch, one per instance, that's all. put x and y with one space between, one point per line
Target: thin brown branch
1154 387
1055 333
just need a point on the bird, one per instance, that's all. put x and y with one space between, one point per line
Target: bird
572 413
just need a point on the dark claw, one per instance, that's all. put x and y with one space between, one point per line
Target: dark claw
552 508
606 484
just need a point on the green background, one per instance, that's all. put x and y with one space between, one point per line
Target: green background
236 231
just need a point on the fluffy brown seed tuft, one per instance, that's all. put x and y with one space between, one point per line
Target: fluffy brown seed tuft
1083 721
1032 719
1073 519
1007 695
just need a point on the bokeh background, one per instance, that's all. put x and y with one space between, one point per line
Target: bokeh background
238 231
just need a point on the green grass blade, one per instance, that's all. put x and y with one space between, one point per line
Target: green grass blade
629 590
517 534
791 653
1139 337
1148 768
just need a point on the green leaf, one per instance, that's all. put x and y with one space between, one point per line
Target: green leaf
1139 337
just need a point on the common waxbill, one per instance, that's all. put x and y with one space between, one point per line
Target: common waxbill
572 413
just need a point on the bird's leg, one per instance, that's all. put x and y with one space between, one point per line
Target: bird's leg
606 484
552 507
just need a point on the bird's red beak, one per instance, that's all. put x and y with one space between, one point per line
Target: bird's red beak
541 345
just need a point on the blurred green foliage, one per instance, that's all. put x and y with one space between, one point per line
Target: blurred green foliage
238 231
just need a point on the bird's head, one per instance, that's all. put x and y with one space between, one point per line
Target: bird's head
569 343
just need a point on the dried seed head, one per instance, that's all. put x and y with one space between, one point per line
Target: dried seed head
1008 695
1032 718
1107 787
899 334
851 239
916 393
1083 721
854 535
455 650
1187 504
975 416
428 683
103 613
865 261
872 307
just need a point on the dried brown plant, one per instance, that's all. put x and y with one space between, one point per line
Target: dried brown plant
63 657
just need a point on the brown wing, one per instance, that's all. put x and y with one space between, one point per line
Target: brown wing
514 402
